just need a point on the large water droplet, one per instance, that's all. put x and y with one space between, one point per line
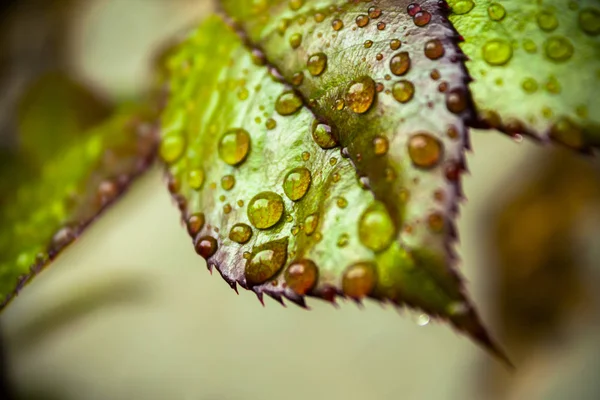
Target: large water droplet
240 233
206 246
337 24
400 63
497 52
195 223
375 228
288 103
360 94
265 210
234 146
301 276
425 151
362 20
359 280
266 261
296 183
316 64
463 6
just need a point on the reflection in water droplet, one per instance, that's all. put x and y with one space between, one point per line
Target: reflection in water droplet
234 146
360 94
265 210
425 151
316 64
206 246
296 183
240 233
400 63
195 223
266 261
376 230
422 18
301 276
462 6
359 280
288 103
497 52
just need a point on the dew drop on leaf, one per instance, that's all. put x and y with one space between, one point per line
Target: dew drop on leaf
296 183
206 246
497 52
496 12
435 222
395 44
374 12
589 21
380 145
400 63
295 40
265 261
265 210
172 148
434 49
425 151
228 182
456 101
403 91
298 78
547 21
337 24
295 5
196 178
359 280
240 233
316 64
301 276
361 94
376 230
195 223
322 136
463 6
362 20
422 18
413 9
234 146
288 103
558 48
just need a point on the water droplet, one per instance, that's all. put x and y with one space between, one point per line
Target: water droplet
295 5
367 44
497 52
61 239
316 64
423 320
403 91
196 179
266 261
463 6
375 228
310 224
171 148
341 202
395 44
296 183
227 208
240 233
436 222
362 20
374 12
265 210
295 40
380 145
319 17
413 9
547 21
298 78
322 136
529 46
568 133
425 151
340 104
400 63
435 74
195 223
434 49
270 124
301 276
337 24
343 240
359 280
206 246
496 12
589 21
234 146
360 94
305 156
288 103
422 18
258 57
456 101
380 26
529 85
228 182
558 48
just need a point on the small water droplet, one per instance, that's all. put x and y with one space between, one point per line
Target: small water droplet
425 151
322 136
558 48
395 44
380 145
270 124
456 101
413 9
497 52
343 240
434 49
529 85
341 202
265 210
360 94
496 12
359 280
319 17
376 229
298 78
301 276
316 64
529 46
463 7
196 178
403 91
295 40
172 147
240 233
295 5
381 26
400 63
422 18
305 156
374 12
266 261
206 246
337 24
362 20
367 44
547 21
234 146
288 103
423 320
589 21
195 223
310 224
296 183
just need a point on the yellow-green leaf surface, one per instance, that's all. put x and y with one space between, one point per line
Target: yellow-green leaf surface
274 202
50 193
535 66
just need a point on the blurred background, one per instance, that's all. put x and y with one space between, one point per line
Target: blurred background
130 311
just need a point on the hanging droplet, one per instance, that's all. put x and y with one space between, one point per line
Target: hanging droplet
296 183
496 12
380 145
376 229
497 52
589 21
265 210
206 246
359 280
301 276
360 94
434 49
558 48
288 103
195 223
240 233
196 178
171 148
228 182
322 136
400 63
266 261
316 64
234 146
403 91
425 151
568 133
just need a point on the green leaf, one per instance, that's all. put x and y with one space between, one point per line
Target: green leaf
61 177
276 204
535 66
